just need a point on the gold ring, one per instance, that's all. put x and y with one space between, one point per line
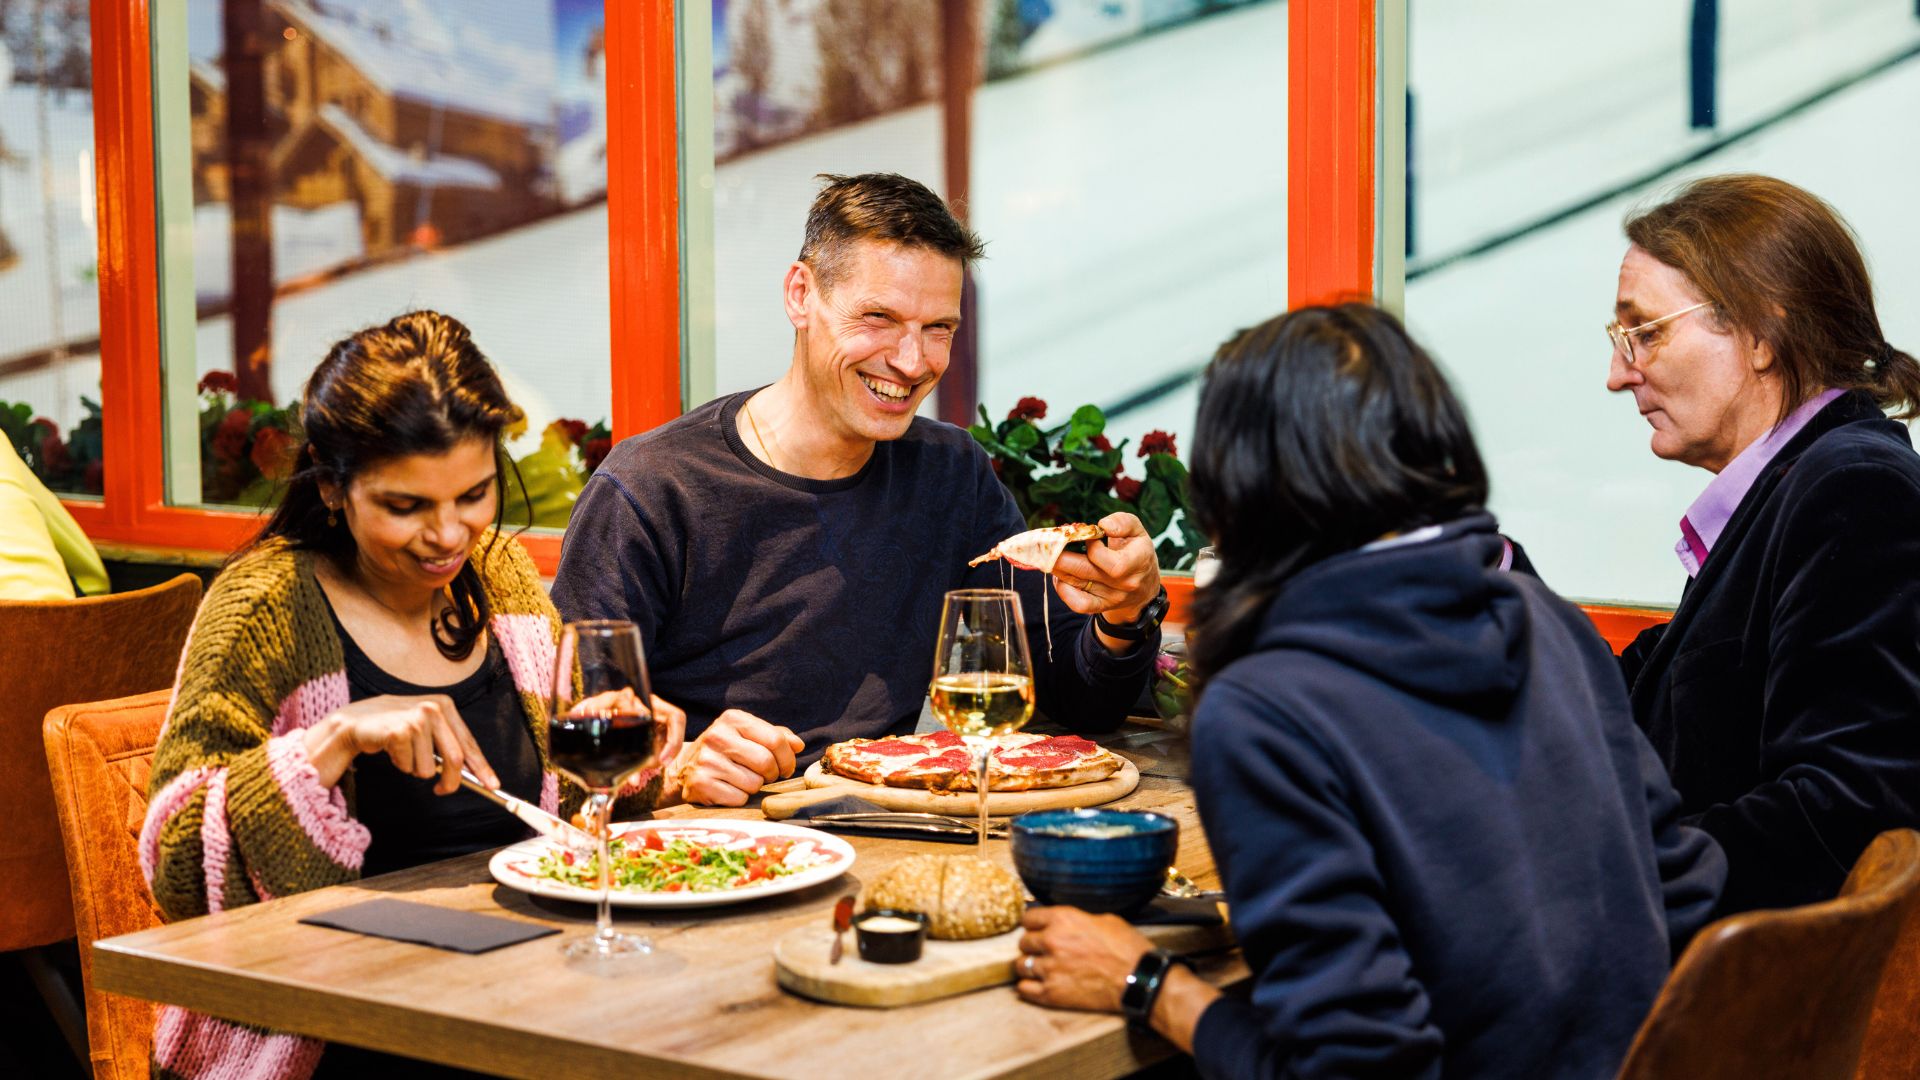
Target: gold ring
1088 587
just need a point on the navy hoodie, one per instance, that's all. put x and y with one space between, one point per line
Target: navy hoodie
1448 850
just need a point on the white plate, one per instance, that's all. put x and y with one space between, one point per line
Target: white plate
518 867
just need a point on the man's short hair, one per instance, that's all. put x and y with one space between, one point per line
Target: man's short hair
886 207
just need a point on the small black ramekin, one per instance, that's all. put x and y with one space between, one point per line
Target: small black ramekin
890 946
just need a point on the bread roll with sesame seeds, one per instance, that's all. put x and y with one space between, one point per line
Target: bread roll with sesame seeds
963 896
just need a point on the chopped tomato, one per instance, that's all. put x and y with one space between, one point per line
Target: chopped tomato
674 886
776 849
567 857
654 843
694 853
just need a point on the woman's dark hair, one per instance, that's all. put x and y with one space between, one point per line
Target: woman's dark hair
1780 266
1319 431
416 385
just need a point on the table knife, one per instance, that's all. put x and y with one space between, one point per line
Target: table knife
543 823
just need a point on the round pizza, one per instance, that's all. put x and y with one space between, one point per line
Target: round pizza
943 761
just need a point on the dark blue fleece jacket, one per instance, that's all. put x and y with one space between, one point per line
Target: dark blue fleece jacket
1448 850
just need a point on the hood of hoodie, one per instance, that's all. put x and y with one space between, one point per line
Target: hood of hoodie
1435 617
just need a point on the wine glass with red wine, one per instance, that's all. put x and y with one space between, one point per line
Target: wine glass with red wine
602 733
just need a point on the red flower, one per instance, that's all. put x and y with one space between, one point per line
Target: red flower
231 437
1029 408
1126 489
596 452
273 453
997 465
574 430
53 452
48 429
1158 442
1100 443
219 382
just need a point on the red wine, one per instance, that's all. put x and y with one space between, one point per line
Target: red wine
601 751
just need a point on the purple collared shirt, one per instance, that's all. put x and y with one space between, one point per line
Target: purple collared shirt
1704 521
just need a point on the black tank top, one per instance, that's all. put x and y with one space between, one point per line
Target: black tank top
410 825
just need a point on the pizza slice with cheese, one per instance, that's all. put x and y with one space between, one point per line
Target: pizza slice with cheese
1039 549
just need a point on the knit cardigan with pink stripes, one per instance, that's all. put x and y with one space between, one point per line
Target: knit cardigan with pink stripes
237 814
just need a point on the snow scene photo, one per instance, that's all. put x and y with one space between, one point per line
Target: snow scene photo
1127 167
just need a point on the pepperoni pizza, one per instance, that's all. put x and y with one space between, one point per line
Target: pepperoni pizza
942 761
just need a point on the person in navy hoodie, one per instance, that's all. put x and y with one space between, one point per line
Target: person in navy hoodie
1447 848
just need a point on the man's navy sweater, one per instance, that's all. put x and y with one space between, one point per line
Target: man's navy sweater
814 604
1448 849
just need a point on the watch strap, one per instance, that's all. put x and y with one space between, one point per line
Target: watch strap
1143 985
1138 629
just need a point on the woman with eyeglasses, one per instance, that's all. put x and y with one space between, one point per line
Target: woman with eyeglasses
1784 696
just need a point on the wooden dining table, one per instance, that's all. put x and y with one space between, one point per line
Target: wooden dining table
705 1005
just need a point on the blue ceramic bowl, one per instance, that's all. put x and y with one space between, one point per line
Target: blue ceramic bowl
1096 860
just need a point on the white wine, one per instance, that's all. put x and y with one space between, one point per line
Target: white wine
983 702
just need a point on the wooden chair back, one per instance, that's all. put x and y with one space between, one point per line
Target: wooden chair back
1783 993
1892 1047
57 652
100 755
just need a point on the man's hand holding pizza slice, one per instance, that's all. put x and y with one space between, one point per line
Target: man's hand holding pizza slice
1116 578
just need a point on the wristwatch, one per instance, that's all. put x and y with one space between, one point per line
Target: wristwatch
1143 986
1138 629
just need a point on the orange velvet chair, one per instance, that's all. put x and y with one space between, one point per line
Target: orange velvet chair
1786 992
100 755
59 652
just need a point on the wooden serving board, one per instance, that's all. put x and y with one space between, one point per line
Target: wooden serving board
823 785
944 969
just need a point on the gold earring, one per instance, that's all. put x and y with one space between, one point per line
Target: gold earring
333 521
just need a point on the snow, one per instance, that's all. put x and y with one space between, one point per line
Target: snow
580 167
1134 204
38 308
425 170
304 241
489 57
1519 329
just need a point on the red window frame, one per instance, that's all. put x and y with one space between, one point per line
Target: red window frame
643 215
1331 55
1330 149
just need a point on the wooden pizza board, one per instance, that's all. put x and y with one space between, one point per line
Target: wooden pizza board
823 785
944 969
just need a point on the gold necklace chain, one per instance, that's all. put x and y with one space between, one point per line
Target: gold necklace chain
747 407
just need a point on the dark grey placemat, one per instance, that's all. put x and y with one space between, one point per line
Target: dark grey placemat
424 924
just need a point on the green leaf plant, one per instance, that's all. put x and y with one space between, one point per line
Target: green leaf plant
1073 472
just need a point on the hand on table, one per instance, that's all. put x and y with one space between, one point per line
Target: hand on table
1116 577
731 759
1079 961
409 730
670 722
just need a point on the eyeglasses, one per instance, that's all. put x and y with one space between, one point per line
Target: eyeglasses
1622 337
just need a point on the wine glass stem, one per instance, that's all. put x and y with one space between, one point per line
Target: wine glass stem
980 790
602 813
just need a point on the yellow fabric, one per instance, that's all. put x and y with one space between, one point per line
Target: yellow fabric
41 546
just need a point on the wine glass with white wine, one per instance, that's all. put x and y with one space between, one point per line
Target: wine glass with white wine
982 675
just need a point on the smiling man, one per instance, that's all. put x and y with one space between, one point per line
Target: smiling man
785 550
